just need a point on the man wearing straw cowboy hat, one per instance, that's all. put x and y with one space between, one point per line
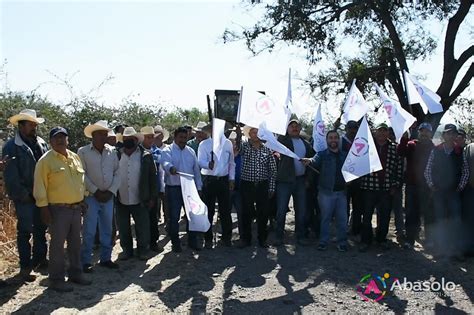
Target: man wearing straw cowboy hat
21 154
137 194
199 136
100 163
148 143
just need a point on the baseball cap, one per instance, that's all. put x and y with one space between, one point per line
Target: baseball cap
426 126
450 127
293 121
57 130
382 125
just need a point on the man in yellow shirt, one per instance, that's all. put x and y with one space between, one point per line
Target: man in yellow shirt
59 193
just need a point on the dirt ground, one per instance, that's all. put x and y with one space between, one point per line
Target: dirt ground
287 279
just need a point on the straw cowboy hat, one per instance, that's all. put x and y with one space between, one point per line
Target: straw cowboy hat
199 126
26 114
147 130
163 131
100 125
130 132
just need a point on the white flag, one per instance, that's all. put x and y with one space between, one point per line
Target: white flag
196 210
255 108
319 132
418 93
218 141
362 158
272 143
400 119
355 106
289 96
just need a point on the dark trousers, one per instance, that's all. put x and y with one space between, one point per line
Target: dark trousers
254 193
354 198
447 222
418 204
154 232
175 203
371 200
468 219
218 188
65 227
29 224
142 227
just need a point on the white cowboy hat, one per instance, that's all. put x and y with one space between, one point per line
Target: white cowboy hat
147 130
246 131
130 132
100 125
26 114
199 126
160 129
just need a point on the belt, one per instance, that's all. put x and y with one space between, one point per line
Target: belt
77 205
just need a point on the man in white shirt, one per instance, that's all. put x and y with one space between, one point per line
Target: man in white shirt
102 180
179 158
218 179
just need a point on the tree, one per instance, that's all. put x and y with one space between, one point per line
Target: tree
388 34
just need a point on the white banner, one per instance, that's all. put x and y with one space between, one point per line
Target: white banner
255 108
196 210
355 106
418 93
362 158
272 143
319 132
400 119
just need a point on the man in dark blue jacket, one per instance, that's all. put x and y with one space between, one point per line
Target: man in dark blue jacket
332 191
22 152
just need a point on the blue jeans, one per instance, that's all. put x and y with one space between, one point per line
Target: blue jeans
447 221
333 204
29 222
102 214
284 191
175 203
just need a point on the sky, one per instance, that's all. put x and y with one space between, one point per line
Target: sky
158 52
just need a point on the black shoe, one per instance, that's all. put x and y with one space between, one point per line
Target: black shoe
109 264
177 248
87 268
125 256
26 276
80 280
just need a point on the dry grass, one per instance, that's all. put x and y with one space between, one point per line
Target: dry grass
8 252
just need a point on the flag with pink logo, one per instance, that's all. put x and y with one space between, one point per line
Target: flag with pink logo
400 119
355 106
362 158
196 210
417 93
255 108
273 144
319 132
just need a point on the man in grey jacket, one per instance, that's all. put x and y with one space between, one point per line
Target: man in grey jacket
21 153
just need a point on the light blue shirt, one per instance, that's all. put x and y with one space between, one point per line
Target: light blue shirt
300 150
185 161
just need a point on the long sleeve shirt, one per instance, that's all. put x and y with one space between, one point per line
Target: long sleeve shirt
223 165
258 164
58 179
130 166
101 169
184 160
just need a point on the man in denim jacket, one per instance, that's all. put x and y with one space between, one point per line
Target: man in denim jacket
332 191
22 152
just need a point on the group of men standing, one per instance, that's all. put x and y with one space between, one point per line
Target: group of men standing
135 174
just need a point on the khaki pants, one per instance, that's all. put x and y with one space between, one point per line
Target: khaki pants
65 226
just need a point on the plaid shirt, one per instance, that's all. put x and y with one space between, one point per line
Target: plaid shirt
258 165
393 172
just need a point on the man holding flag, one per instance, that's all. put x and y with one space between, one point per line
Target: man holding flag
290 181
218 175
377 187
